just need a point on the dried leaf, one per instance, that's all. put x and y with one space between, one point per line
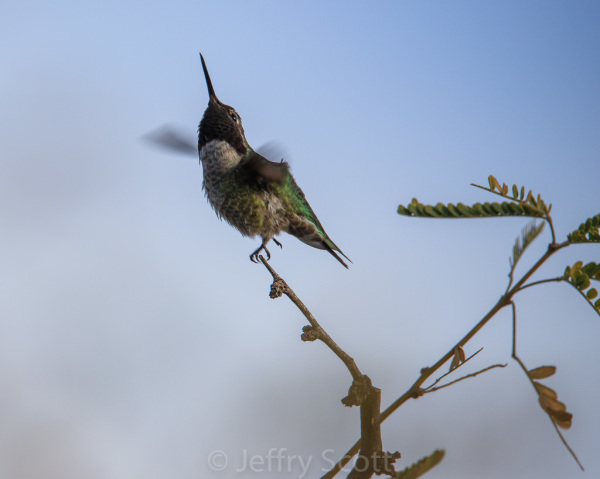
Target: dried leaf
563 419
542 372
545 390
458 359
529 197
497 185
551 405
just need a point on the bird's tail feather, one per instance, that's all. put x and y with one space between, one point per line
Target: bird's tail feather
335 255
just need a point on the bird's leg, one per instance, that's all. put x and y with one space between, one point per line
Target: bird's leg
277 243
263 246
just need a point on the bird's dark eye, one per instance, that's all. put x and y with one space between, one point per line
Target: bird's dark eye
234 117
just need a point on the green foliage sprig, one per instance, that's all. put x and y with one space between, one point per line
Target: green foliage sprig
422 466
588 232
518 202
521 203
581 277
460 210
528 236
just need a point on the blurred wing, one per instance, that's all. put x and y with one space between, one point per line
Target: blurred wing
171 139
258 167
274 151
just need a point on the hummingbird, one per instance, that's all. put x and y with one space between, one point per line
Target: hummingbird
257 196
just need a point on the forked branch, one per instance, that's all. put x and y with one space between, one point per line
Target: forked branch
373 460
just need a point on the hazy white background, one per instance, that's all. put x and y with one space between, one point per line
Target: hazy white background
135 335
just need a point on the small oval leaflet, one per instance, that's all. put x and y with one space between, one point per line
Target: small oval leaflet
542 372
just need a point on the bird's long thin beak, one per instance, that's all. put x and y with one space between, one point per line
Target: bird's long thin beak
211 90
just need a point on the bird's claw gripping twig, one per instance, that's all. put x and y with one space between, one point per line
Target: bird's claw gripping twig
254 256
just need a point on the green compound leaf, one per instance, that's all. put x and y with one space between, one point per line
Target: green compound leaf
460 210
519 204
580 276
588 232
518 196
422 466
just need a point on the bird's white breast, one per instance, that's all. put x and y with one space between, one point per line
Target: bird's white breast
219 156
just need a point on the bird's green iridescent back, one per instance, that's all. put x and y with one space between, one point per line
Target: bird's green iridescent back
291 193
265 209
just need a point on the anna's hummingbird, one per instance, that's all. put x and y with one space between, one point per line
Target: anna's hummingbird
253 194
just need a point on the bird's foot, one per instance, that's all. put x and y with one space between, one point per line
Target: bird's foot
254 256
277 243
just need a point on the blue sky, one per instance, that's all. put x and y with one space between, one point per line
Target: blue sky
137 337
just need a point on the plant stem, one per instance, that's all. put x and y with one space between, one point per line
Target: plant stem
415 390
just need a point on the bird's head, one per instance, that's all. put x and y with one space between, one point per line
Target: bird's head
220 121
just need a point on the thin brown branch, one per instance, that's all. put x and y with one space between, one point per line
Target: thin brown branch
582 294
542 281
526 371
452 370
548 218
415 390
343 461
514 333
472 375
361 392
564 441
281 287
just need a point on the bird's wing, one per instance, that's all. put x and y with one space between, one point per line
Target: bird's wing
320 240
259 168
172 139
